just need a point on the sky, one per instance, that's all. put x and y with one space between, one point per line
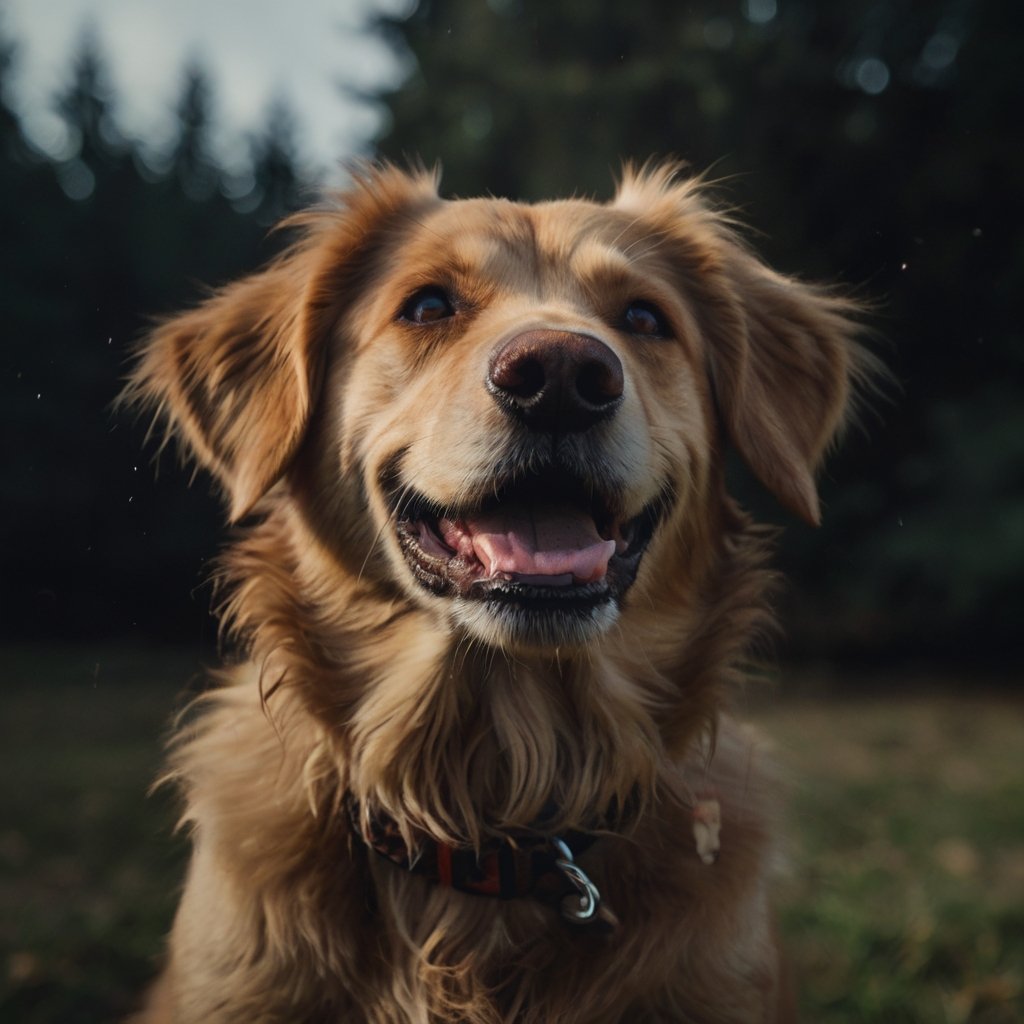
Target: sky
254 51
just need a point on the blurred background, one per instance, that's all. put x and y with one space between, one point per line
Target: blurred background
145 151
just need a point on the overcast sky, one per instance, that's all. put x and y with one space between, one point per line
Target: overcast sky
254 51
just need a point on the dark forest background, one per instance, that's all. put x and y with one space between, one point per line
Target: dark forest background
875 144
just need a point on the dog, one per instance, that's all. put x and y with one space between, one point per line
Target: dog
491 597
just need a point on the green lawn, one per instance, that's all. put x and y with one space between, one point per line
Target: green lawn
903 896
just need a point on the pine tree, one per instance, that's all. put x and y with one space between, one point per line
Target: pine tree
86 105
192 163
278 183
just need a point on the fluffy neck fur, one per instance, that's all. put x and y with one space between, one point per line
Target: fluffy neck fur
461 741
454 739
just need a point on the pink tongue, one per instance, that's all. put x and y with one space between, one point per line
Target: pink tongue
547 542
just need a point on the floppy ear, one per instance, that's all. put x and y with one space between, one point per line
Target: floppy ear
782 362
236 378
782 357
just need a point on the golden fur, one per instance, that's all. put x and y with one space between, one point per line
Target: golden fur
314 401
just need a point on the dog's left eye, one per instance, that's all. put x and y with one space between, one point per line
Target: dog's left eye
645 319
427 306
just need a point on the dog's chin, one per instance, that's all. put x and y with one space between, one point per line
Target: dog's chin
541 562
527 623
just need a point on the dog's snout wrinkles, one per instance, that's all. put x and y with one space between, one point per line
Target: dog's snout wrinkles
556 380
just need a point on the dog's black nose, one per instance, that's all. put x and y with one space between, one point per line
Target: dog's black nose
556 380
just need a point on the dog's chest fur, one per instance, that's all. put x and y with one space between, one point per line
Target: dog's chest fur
309 915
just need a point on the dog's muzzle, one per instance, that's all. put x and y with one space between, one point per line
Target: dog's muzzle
548 541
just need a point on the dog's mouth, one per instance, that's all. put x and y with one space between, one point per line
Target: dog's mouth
545 543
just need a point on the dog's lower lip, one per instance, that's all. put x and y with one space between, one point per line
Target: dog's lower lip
542 598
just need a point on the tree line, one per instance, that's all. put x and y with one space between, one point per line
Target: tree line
96 242
873 144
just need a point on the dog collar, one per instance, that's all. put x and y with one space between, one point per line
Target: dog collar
521 864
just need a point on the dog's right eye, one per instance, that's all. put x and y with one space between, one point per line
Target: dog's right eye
427 306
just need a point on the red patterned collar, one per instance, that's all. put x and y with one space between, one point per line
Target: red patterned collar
526 863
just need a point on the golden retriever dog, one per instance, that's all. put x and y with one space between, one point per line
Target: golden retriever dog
491 597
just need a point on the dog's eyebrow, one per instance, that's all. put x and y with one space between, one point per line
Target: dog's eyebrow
604 268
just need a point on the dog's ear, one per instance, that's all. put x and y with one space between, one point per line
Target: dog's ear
236 378
783 364
782 357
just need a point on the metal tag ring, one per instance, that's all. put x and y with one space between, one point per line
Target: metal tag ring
581 907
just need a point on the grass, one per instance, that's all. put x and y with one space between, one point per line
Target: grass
903 899
88 869
905 895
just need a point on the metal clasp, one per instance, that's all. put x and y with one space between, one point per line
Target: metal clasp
581 906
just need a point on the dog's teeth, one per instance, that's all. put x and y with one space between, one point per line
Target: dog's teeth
623 537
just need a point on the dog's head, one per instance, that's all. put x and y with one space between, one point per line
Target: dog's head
512 412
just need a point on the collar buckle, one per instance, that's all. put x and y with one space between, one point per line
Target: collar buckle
581 906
